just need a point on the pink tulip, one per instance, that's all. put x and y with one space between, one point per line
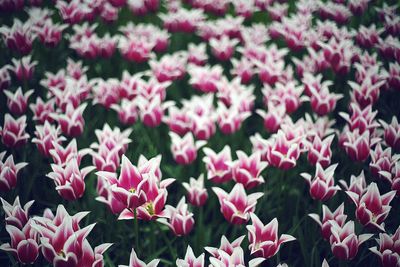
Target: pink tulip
344 242
9 172
322 185
129 187
136 49
218 165
388 250
156 195
64 243
190 259
357 146
169 67
244 69
225 246
327 216
42 110
72 122
372 208
135 262
16 215
263 239
50 34
17 102
357 184
69 180
281 152
205 78
183 20
392 133
196 192
106 92
393 79
237 205
72 12
319 151
24 243
178 120
273 117
393 177
127 111
382 161
287 94
18 37
106 195
24 68
13 133
46 135
234 259
184 150
152 110
247 169
197 54
5 77
179 219
323 102
223 48
62 155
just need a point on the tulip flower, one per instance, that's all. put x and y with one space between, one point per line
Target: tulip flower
388 249
263 239
226 246
247 169
69 180
327 215
190 259
46 135
322 185
17 102
235 259
392 133
184 150
179 219
135 262
196 192
24 68
13 133
344 242
16 215
72 122
319 151
371 207
281 152
42 110
9 172
18 37
237 205
219 169
24 244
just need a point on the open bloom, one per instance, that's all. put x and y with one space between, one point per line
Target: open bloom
179 219
225 246
322 185
184 149
392 133
388 250
46 135
72 122
196 192
63 241
24 243
247 169
327 215
281 152
344 242
371 207
13 133
24 68
319 151
263 239
234 259
17 102
15 214
9 172
218 165
237 205
190 259
128 188
69 180
135 262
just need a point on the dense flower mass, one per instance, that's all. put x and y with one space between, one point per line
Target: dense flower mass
159 130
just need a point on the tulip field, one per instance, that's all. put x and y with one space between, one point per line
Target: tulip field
199 133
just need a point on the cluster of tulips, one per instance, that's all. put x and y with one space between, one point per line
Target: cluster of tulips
315 79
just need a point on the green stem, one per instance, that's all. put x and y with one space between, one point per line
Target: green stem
167 241
136 229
